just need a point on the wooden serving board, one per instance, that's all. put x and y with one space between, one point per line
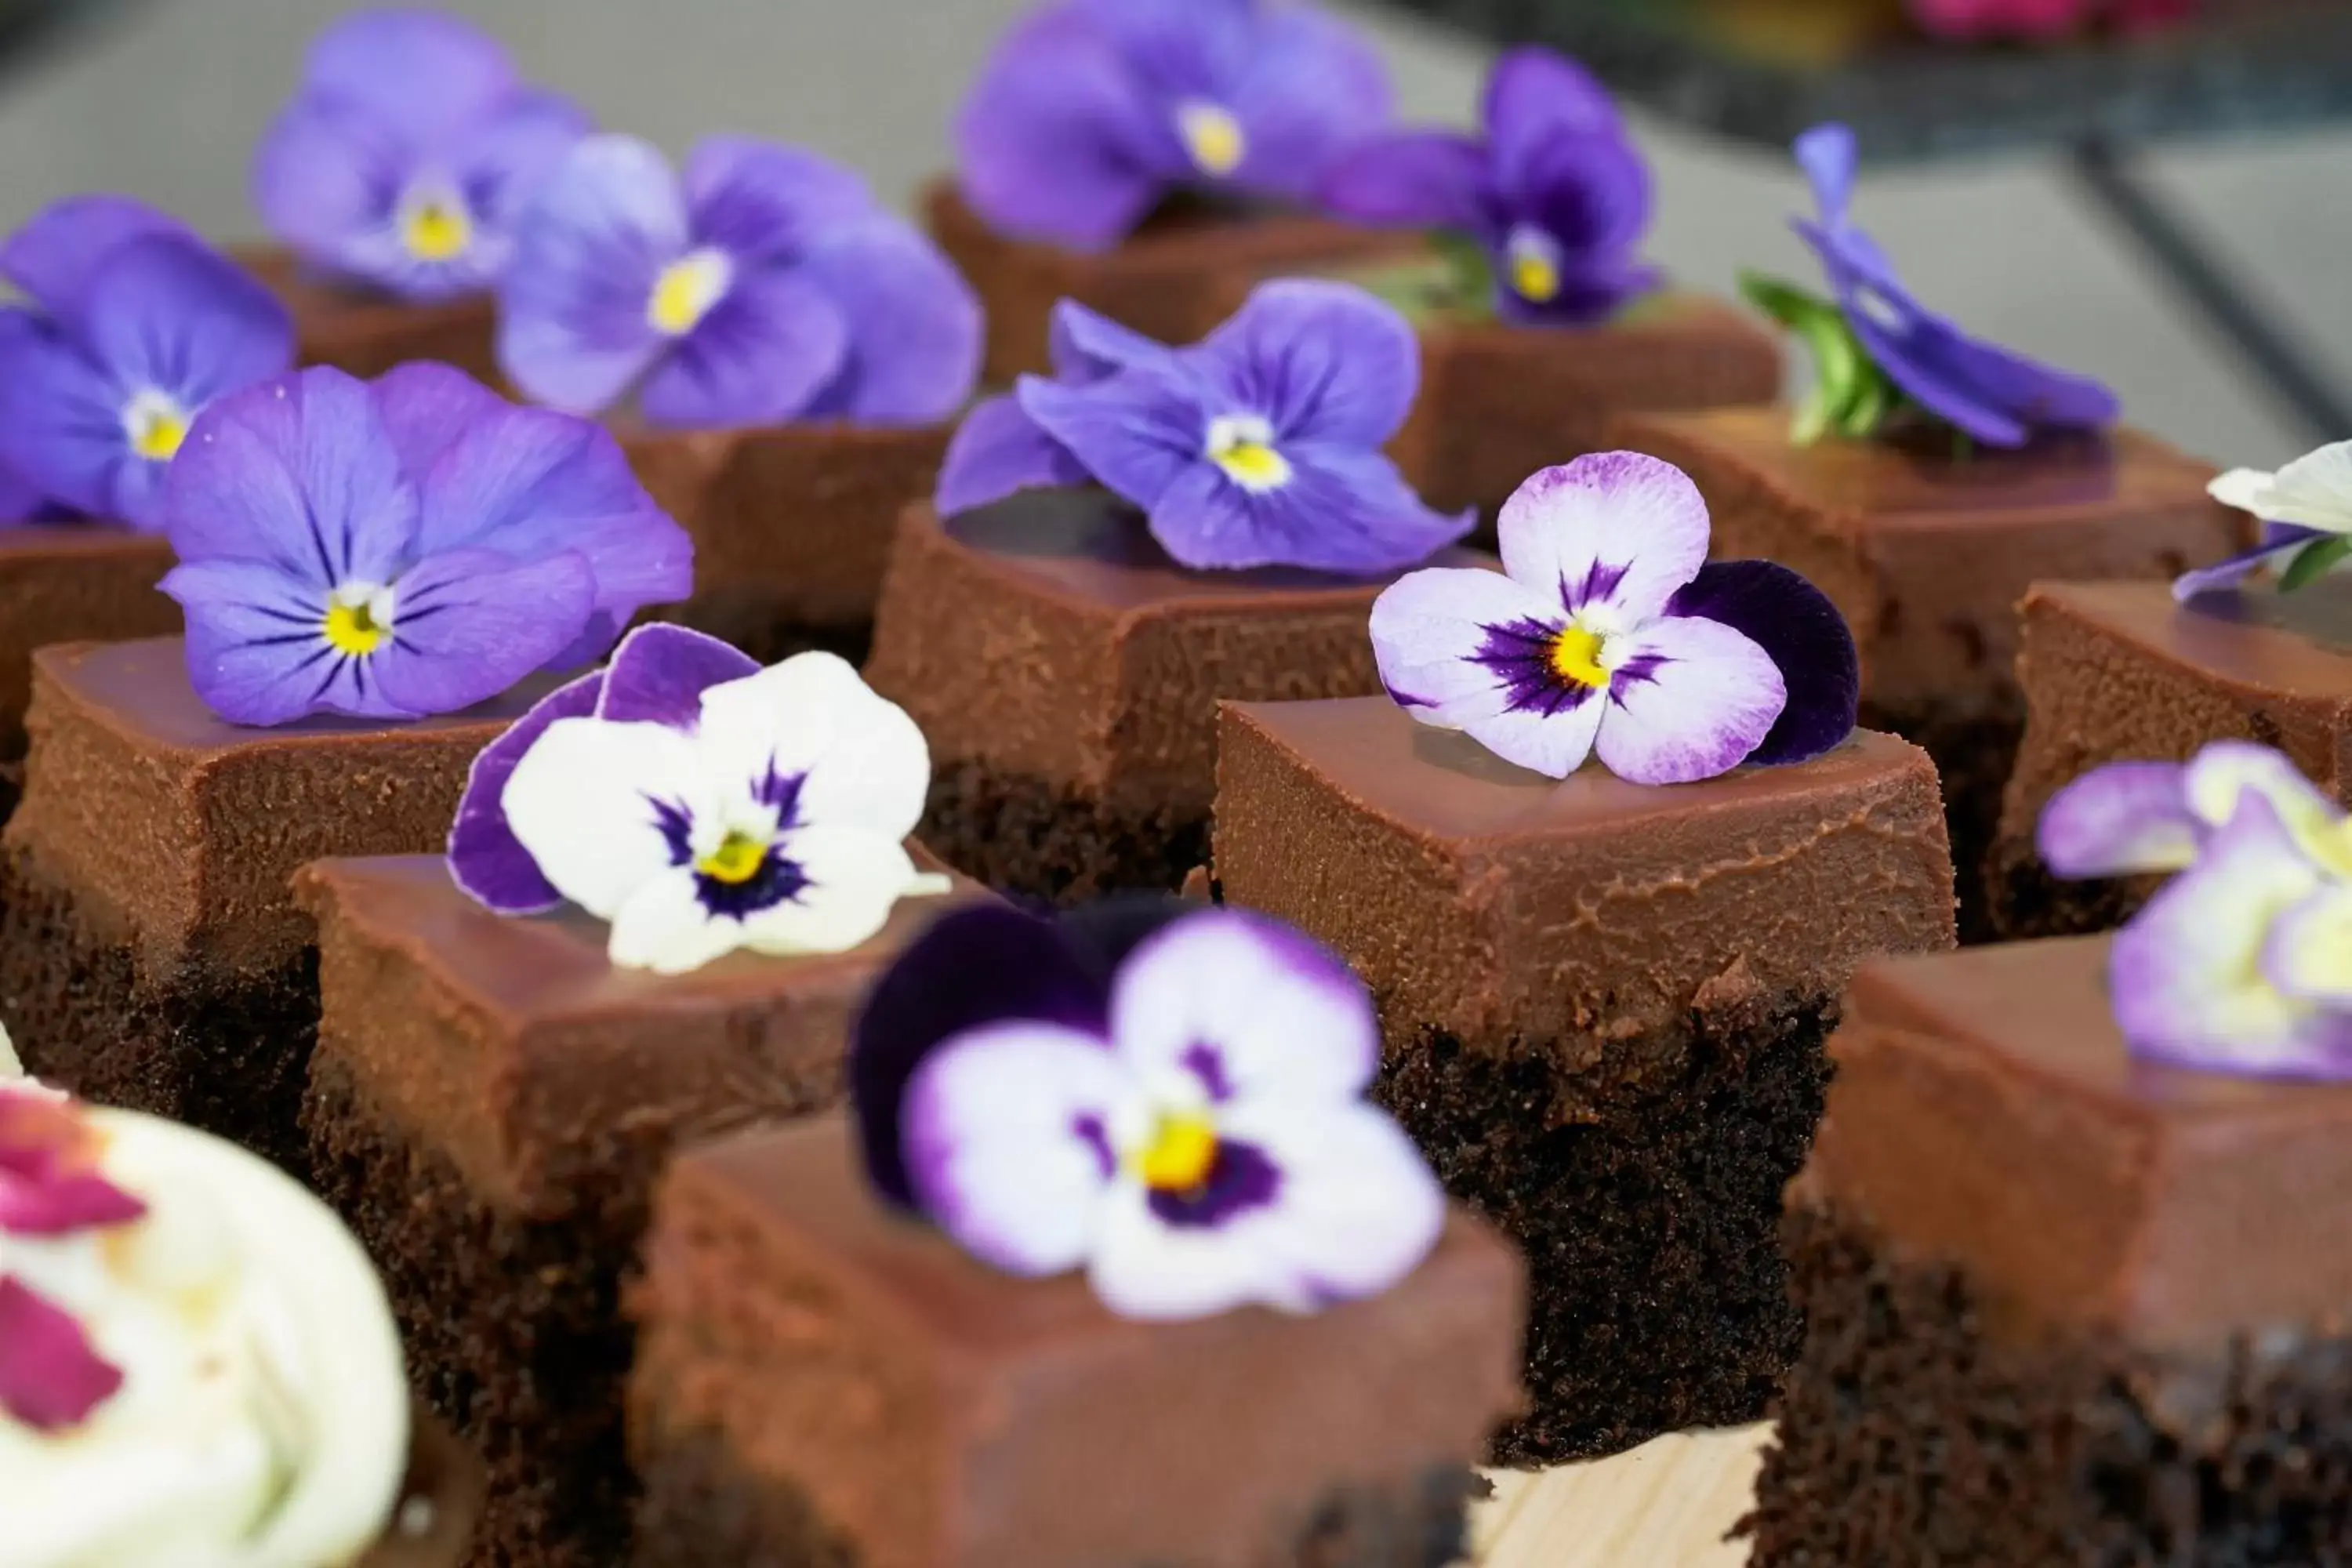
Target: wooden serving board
1668 1504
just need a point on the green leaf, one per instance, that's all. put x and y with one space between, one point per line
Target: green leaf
1873 401
1850 395
2313 561
1784 302
1471 273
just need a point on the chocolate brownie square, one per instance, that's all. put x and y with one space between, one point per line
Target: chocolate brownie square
364 333
1604 1008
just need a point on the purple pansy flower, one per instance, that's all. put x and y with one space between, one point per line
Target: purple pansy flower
2244 962
133 327
411 546
1093 111
1261 445
766 286
701 803
1996 396
1607 631
1555 192
1177 1110
2305 509
407 154
51 1376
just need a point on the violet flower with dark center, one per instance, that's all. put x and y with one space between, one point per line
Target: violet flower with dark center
407 547
1092 112
766 286
1178 1110
1261 445
1553 196
407 153
133 327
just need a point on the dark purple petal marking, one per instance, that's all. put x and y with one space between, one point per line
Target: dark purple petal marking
782 791
676 824
1600 580
1641 668
1241 1178
1205 1062
1520 653
660 672
1802 632
777 879
1404 699
1091 1132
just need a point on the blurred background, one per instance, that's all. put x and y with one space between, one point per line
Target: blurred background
164 99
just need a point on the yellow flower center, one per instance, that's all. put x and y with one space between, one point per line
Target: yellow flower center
687 290
155 425
1214 137
436 227
736 860
1576 656
1183 1151
352 628
1535 267
1243 445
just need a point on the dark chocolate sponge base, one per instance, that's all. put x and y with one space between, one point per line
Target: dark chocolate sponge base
2024 901
1909 1435
701 1508
1974 752
215 1048
514 1329
1025 836
1648 1209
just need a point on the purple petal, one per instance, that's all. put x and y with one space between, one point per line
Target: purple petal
54 257
1085 347
659 673
421 71
166 313
2118 820
470 623
1804 634
1592 196
997 451
574 328
1618 527
486 858
974 967
256 649
1828 154
2280 540
1432 636
1342 511
1311 88
762 356
1135 433
428 407
914 326
1692 698
1321 362
1588 294
327 178
763 203
2308 953
510 156
1534 100
51 1377
1412 179
62 426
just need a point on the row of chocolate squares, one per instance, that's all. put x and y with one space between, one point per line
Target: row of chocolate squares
1602 1014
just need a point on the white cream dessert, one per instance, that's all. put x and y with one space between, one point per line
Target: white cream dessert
198 1368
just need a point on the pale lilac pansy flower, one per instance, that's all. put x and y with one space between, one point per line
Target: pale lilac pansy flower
700 804
1608 633
2305 511
1170 1099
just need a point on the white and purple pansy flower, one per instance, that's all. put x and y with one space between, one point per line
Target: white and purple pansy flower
2305 511
700 804
131 326
51 1374
2242 963
764 286
407 153
1554 194
1169 1098
409 546
1261 445
1607 631
1092 112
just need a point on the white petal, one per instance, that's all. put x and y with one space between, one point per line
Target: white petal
2247 489
1619 527
855 878
1708 697
581 801
1553 744
865 760
998 1146
1430 628
2313 491
1359 1207
1249 1009
1144 1268
2220 775
665 926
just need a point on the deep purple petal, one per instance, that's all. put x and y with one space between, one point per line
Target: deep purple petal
764 202
1311 88
256 647
51 1377
166 313
1085 347
660 672
1412 179
421 71
2280 540
1828 153
762 356
486 859
974 966
1324 363
1592 196
1587 295
1342 511
1795 624
914 326
997 451
1135 433
1535 98
470 624
2120 819
62 426
428 407
54 257
327 178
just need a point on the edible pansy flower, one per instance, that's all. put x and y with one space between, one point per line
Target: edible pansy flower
51 1376
765 286
2244 962
1879 353
1554 197
1260 446
409 546
2306 510
1092 112
700 804
1607 631
407 153
1175 1105
132 328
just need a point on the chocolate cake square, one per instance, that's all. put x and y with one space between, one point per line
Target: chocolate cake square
488 1107
364 333
822 1380
1168 280
1927 550
64 582
150 952
1067 673
1604 1008
791 526
2065 1305
2119 672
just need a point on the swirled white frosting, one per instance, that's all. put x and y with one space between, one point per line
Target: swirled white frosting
262 1421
